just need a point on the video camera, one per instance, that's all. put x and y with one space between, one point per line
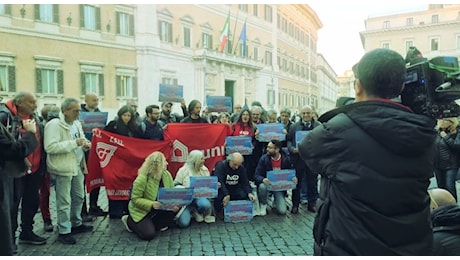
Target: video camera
432 86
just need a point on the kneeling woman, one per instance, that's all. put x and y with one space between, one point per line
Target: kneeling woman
145 217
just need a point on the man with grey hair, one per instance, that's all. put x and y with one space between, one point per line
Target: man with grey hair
307 123
65 144
24 191
233 182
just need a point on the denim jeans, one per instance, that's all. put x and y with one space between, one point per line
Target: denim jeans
279 199
202 205
69 201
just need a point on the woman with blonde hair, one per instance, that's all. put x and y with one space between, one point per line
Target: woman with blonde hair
447 154
145 216
200 208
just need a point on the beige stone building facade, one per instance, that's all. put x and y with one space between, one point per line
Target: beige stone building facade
59 51
434 31
126 51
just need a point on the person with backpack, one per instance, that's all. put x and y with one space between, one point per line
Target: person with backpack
151 127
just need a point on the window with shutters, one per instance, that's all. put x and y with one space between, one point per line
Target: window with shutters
126 82
165 31
5 9
47 13
268 13
125 23
187 37
49 76
7 73
207 40
90 17
92 78
48 81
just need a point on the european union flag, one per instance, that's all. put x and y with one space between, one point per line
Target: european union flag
243 40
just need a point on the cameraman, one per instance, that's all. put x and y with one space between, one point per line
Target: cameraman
375 157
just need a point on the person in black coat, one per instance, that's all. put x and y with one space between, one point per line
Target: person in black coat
12 151
445 216
274 159
233 181
375 158
125 123
447 154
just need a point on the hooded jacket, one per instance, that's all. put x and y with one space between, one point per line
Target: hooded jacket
9 115
376 160
446 230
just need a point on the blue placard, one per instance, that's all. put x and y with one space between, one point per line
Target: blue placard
204 186
91 120
241 144
173 93
219 104
281 179
272 131
238 211
171 197
299 135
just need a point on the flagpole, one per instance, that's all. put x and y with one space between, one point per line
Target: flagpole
234 30
236 45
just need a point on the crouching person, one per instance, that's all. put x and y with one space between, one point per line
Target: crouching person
145 217
233 182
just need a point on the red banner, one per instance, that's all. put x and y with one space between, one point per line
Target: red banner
185 137
114 159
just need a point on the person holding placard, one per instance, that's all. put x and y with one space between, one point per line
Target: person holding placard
307 123
145 217
234 183
274 159
200 208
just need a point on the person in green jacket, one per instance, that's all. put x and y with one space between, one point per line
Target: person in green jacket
145 217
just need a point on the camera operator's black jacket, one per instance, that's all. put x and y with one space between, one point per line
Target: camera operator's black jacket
376 160
446 229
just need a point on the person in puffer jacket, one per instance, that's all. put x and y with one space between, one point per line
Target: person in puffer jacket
375 157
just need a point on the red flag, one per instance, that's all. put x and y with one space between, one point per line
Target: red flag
185 137
114 160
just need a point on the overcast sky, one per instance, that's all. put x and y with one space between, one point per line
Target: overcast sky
339 40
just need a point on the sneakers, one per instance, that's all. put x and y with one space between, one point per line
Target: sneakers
263 209
209 219
164 228
179 213
47 225
124 219
97 211
197 216
81 229
31 238
67 239
295 210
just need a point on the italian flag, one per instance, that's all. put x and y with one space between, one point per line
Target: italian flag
224 34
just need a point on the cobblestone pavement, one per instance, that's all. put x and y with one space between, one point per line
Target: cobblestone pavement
271 235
